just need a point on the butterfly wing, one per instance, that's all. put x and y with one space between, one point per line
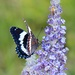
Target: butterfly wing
20 37
34 43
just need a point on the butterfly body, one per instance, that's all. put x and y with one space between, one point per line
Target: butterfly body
26 41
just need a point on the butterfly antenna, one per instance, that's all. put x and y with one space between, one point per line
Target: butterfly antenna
39 32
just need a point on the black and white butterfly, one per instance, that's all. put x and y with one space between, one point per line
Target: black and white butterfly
26 41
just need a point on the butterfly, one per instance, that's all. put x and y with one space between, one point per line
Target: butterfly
26 41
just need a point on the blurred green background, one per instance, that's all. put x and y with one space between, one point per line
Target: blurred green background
35 12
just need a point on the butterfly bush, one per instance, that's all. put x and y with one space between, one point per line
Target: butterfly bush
52 57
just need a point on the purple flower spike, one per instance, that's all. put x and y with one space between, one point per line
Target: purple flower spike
52 57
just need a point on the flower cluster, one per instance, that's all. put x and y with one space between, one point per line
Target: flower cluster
52 59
